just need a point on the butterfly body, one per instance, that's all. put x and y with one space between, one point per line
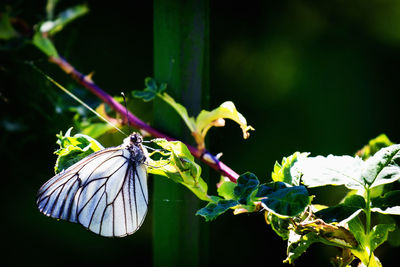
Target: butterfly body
106 192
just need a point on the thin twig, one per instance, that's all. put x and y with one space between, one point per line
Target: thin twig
87 82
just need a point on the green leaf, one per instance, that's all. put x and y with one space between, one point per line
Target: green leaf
151 84
53 26
362 251
394 236
331 170
213 210
50 7
181 110
96 130
374 146
44 44
226 188
333 235
246 186
264 190
298 244
344 259
357 228
207 119
6 29
243 194
387 204
281 171
287 202
146 95
351 207
150 91
383 167
351 172
73 149
337 236
204 121
368 243
180 167
279 225
278 198
379 234
162 88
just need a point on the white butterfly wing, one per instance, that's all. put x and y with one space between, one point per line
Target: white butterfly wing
106 192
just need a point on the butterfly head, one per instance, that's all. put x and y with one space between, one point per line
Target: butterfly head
134 144
135 139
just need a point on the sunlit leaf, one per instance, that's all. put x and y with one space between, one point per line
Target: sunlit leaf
331 170
338 236
53 26
388 203
96 129
207 119
383 167
330 234
226 188
357 228
179 166
204 121
282 172
44 44
379 234
181 110
73 149
354 173
368 242
374 146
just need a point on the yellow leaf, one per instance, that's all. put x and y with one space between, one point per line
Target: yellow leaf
207 119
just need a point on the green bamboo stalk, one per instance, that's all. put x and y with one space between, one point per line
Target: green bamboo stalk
181 35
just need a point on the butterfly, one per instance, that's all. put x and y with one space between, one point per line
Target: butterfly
106 192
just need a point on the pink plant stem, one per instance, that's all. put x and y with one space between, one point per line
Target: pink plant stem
87 82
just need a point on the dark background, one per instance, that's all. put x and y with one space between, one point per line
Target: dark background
308 76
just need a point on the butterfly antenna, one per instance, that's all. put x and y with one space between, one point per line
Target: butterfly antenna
126 110
75 97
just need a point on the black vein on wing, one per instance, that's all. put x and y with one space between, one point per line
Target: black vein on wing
69 209
144 197
134 194
76 173
56 200
63 176
98 189
82 163
74 191
98 202
123 198
141 187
